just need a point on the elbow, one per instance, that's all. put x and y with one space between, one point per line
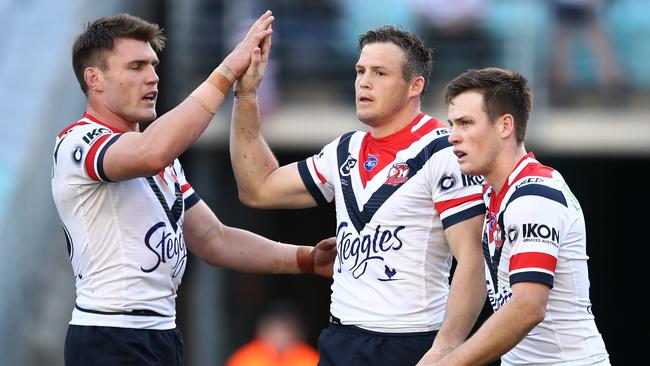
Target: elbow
537 315
534 313
251 200
154 162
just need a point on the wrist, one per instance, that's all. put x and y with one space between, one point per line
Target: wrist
241 92
222 79
287 258
305 259
245 95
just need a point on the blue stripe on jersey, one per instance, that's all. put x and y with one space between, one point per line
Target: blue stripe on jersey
532 276
100 158
173 214
56 149
478 209
191 201
361 218
538 190
308 181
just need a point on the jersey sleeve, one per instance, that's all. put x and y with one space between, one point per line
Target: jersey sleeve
79 153
317 172
456 197
190 197
533 224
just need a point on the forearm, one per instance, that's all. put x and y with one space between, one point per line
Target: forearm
464 304
252 159
499 334
255 253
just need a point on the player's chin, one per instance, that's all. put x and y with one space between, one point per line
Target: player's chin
366 116
148 115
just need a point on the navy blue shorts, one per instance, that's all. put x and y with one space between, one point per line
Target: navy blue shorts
345 345
109 346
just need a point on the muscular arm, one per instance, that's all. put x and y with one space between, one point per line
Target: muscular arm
144 154
260 180
505 328
228 247
467 293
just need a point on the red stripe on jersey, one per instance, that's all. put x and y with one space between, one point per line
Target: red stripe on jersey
534 169
533 260
90 158
185 187
443 206
80 123
384 149
318 174
94 119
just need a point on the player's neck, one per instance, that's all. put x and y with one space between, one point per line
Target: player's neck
394 122
503 167
106 116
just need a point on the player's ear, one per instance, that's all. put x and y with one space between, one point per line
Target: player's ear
417 86
94 79
506 125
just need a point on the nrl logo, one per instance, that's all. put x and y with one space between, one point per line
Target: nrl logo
346 168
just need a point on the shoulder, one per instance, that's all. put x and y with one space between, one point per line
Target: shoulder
539 183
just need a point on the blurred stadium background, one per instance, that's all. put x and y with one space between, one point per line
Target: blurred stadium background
598 138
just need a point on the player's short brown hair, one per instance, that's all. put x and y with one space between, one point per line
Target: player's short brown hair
99 36
503 92
418 57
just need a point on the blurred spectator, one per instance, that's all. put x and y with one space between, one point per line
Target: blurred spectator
581 18
279 341
455 32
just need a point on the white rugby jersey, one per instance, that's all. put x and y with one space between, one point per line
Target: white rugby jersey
394 197
535 231
125 239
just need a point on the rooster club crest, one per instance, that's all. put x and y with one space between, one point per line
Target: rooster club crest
398 174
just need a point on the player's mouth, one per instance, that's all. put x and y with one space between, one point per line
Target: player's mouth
151 96
363 99
459 154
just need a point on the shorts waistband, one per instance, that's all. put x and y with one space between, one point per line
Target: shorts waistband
135 312
334 321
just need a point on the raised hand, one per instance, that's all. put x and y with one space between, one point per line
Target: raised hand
251 79
240 58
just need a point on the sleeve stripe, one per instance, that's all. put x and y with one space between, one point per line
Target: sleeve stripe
90 158
443 206
532 276
185 187
533 260
309 183
191 201
463 215
100 158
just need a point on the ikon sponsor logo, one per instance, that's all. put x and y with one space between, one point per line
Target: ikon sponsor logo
540 232
95 133
472 180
